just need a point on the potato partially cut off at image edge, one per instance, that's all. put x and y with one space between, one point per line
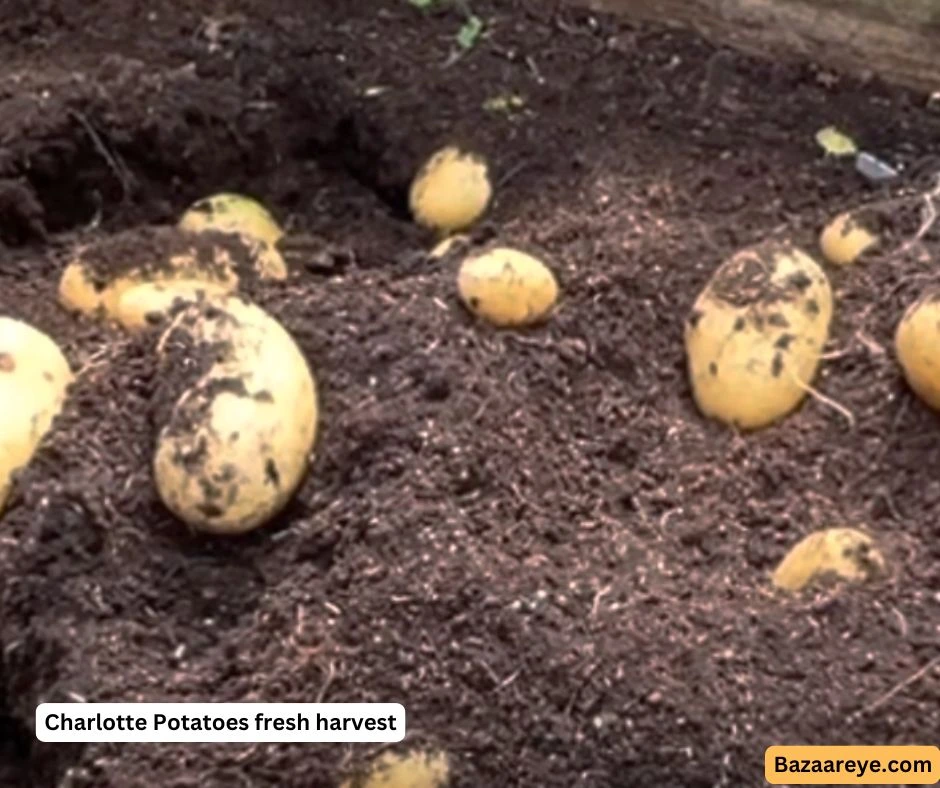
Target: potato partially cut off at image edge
34 380
917 345
415 770
99 275
756 333
507 287
841 553
237 441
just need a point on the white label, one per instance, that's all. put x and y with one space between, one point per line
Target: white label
220 722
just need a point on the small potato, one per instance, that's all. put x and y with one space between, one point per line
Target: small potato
451 191
917 345
417 770
234 213
34 380
756 333
842 553
99 274
845 239
148 304
236 442
507 287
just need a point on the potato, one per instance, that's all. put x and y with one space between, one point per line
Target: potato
417 770
451 191
917 345
34 380
149 304
99 274
845 239
756 333
842 553
229 212
448 245
235 444
507 287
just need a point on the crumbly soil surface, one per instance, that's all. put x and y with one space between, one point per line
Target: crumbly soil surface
531 539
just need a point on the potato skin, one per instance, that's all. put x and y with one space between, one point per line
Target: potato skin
237 441
507 287
34 381
756 333
230 212
845 239
451 191
844 553
145 305
917 346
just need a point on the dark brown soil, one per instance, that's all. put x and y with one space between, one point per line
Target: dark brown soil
530 539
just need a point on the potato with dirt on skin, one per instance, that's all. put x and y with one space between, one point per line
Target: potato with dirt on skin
755 335
507 287
415 770
917 346
236 442
149 304
845 239
100 273
34 380
842 553
451 191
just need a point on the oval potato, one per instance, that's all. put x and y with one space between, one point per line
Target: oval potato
917 345
236 443
451 191
415 770
756 333
34 380
99 274
845 239
843 553
507 287
230 212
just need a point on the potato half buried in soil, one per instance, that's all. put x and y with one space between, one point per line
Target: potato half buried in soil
240 426
842 553
451 191
147 305
100 273
917 345
845 239
756 333
235 213
34 380
507 287
416 770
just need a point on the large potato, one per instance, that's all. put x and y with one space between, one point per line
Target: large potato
34 379
755 335
451 191
507 287
236 442
842 553
917 345
99 274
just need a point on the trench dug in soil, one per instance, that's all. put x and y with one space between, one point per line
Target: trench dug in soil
531 539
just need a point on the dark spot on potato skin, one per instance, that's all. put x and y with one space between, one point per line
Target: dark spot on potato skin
778 321
740 324
800 281
474 302
812 307
694 318
784 342
7 364
227 474
271 473
47 376
713 368
233 437
209 510
209 491
264 396
777 366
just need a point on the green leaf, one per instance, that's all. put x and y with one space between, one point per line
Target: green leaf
835 143
470 32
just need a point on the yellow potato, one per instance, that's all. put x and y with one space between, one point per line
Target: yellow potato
917 345
99 274
229 212
756 333
451 191
34 380
148 304
844 240
843 553
417 770
237 441
507 287
445 247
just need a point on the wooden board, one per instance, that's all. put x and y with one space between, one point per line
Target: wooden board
898 40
